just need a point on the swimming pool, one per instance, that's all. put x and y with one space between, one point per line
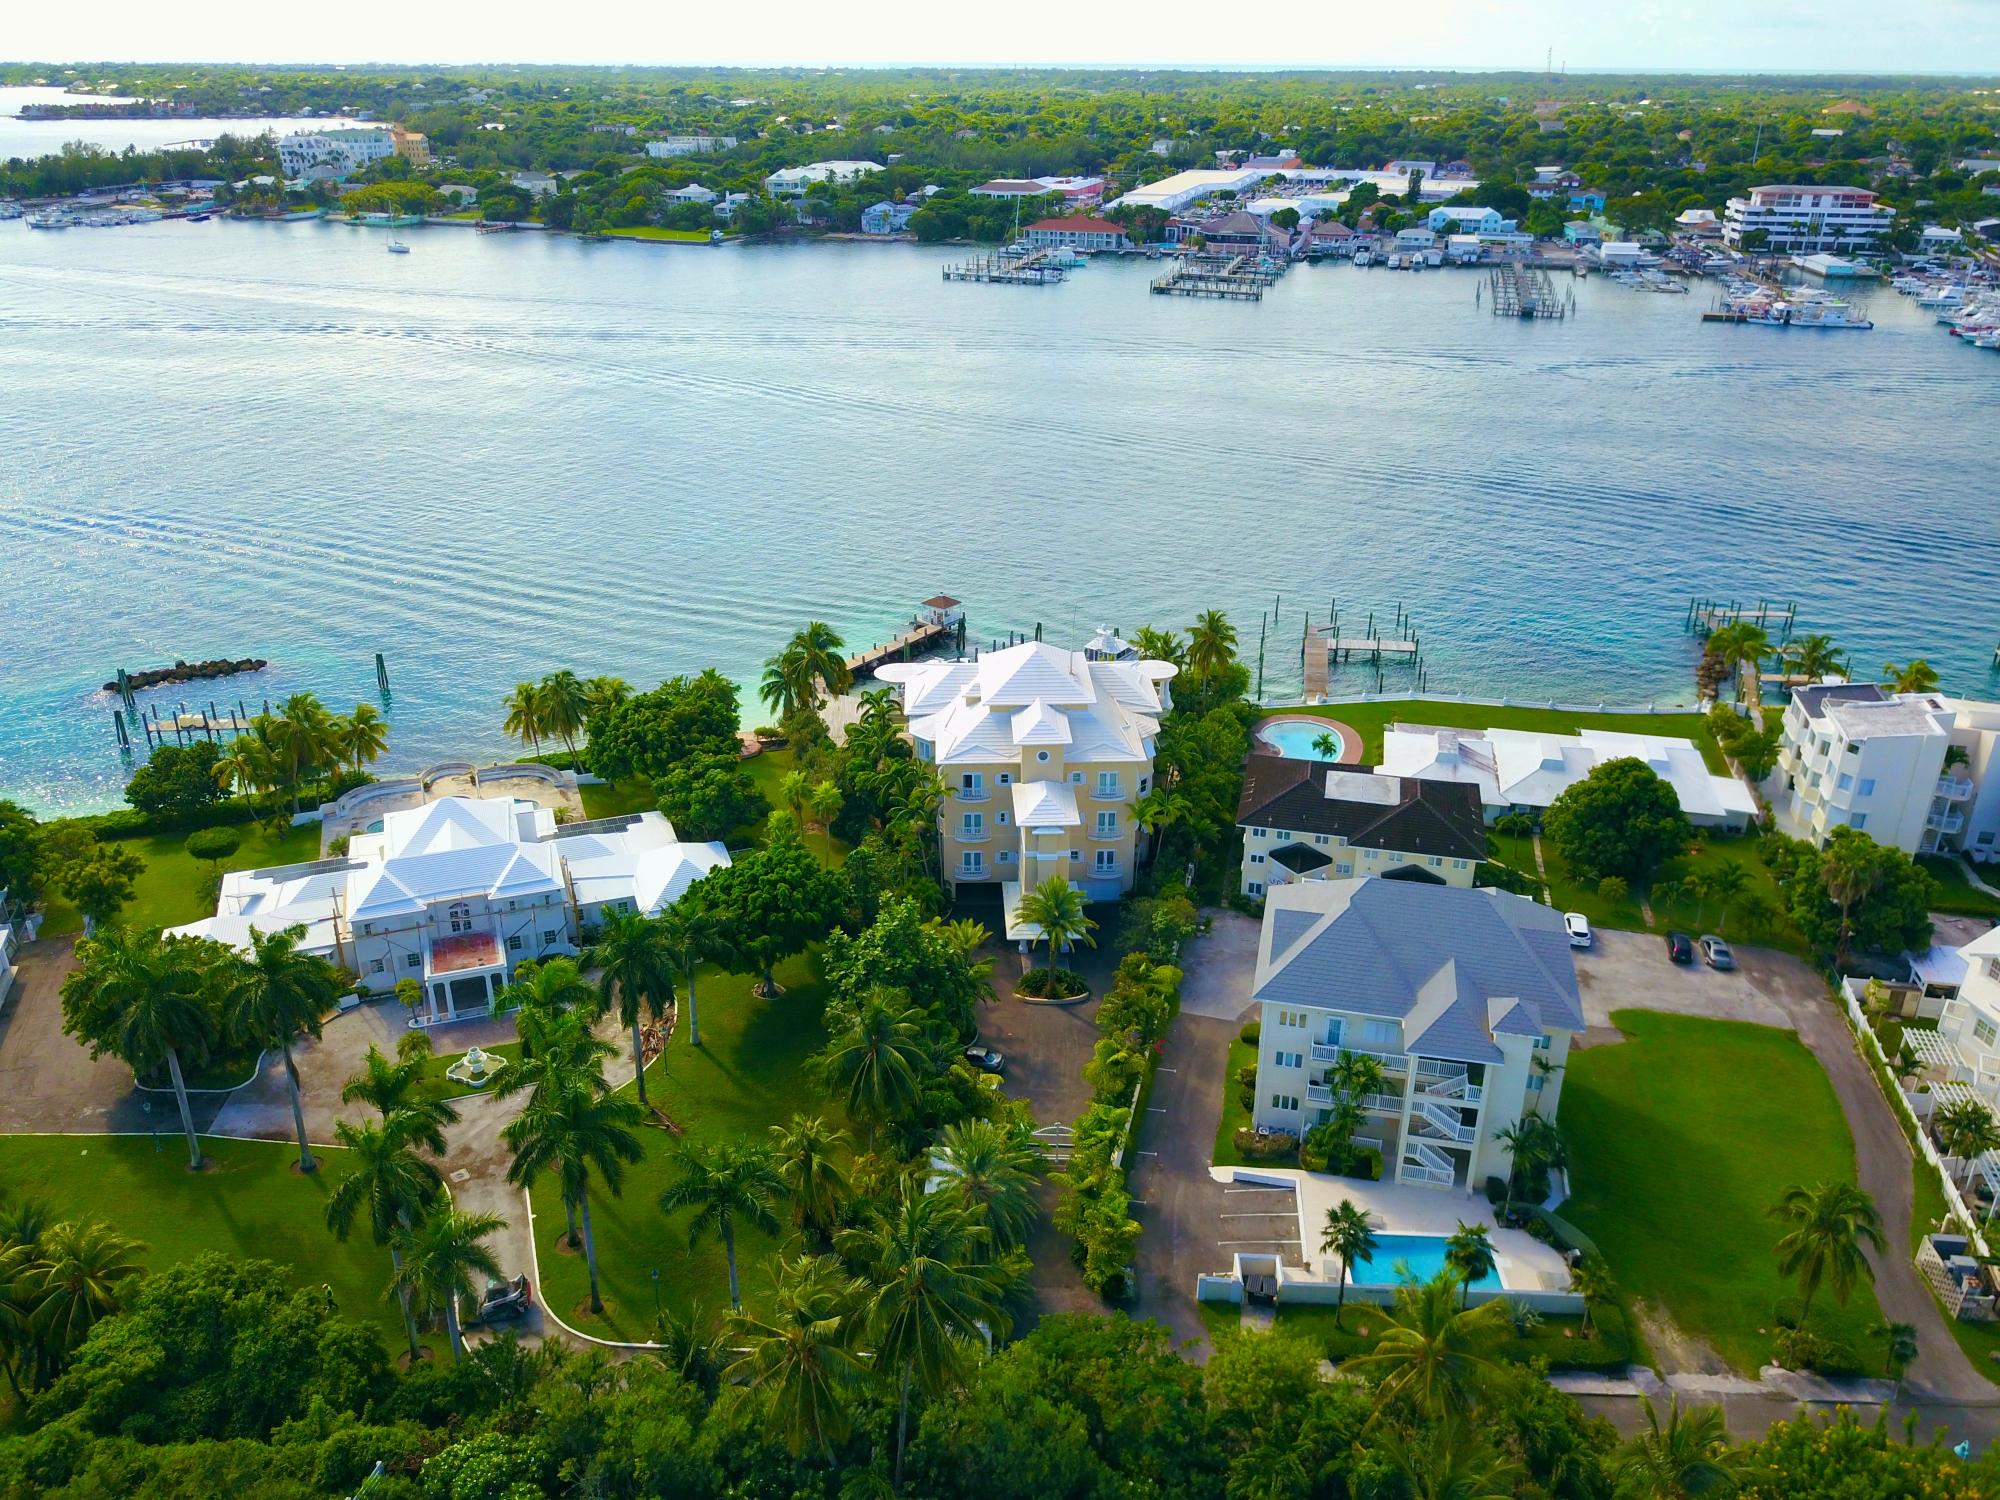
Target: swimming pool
1293 738
1423 1254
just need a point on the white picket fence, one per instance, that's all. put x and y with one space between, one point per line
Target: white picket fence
1871 1048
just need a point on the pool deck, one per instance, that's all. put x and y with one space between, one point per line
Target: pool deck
1351 741
1524 1262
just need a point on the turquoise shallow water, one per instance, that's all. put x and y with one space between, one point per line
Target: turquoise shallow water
1421 1255
502 454
1293 738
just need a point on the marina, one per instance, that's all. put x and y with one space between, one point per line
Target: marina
1240 278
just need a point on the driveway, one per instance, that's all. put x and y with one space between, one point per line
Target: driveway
1632 970
1219 966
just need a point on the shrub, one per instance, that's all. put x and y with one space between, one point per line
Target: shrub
1266 1145
337 848
1052 984
1496 1191
1802 1349
1252 1032
1364 1163
1613 888
212 844
1246 1085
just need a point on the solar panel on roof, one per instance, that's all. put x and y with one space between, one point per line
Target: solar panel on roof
615 824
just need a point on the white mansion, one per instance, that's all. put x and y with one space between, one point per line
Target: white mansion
457 892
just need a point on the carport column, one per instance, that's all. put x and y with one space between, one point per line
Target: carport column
491 996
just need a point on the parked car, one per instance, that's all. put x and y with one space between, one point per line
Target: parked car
985 1059
504 1301
1715 953
1577 925
1680 947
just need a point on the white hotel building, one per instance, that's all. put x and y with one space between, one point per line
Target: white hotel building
1804 219
336 151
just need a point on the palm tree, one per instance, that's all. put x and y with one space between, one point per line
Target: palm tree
1156 812
807 1153
1158 645
565 703
690 939
246 766
390 1184
1449 1460
1433 1350
390 1088
803 1354
1056 907
1740 644
874 1063
1348 1236
1914 676
301 738
1899 1347
793 788
1725 882
1814 657
603 694
551 986
1469 1253
824 802
1326 746
1966 1129
144 997
780 688
990 1171
636 954
77 1279
725 1184
524 720
1683 1456
934 1292
822 660
1829 1226
362 737
1534 1146
1590 1279
274 995
1211 644
439 1256
572 1129
1356 1074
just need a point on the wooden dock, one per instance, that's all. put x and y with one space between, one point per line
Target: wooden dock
1323 646
1036 268
918 638
1525 292
1240 278
1706 616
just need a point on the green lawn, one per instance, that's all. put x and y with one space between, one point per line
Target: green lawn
1235 1117
633 794
172 889
434 1085
248 1204
1357 1329
1958 896
745 1077
1680 1139
654 232
1371 718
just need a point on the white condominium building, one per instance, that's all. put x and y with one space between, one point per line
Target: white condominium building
336 150
1796 218
689 145
1042 752
792 182
1466 997
1919 771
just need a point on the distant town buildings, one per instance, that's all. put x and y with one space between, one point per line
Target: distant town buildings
689 145
887 218
1077 232
1074 190
1802 218
337 152
794 182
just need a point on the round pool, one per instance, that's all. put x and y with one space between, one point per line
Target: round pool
1294 738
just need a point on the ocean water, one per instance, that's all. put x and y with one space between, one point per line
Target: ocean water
503 454
27 139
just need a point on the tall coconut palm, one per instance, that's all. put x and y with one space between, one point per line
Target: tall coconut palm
1725 882
726 1185
1814 657
603 694
441 1253
1468 1251
803 1353
783 690
1677 1455
1966 1129
1433 1350
793 788
691 937
1830 1224
390 1088
874 1063
1156 812
525 721
824 801
1056 907
1450 1460
246 766
808 1153
272 996
565 705
389 1187
935 1290
362 737
571 1131
1590 1279
551 986
78 1279
1211 646
1914 676
637 956
301 735
1533 1147
1348 1236
822 658
1158 645
145 998
990 1170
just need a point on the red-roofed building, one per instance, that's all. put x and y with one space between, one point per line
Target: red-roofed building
1077 232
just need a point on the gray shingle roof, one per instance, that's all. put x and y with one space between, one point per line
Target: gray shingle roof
1422 817
1455 966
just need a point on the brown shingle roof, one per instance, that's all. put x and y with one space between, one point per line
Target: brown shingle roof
1429 817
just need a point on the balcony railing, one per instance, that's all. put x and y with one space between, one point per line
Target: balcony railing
978 794
1945 822
1442 1124
1382 1104
1326 1052
1954 788
1459 1088
1423 1163
1318 1093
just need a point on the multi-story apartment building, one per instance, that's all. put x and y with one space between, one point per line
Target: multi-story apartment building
796 182
689 145
1312 820
1919 771
1798 218
335 150
1467 998
1042 752
457 892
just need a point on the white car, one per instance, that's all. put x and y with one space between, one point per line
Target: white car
1577 925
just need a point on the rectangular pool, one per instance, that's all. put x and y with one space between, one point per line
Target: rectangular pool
1421 1254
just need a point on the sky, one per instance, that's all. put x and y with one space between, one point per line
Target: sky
1924 36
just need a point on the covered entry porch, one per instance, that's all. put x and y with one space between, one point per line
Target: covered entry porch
464 975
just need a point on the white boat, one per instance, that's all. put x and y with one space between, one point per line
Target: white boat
1944 296
9 209
50 219
397 247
